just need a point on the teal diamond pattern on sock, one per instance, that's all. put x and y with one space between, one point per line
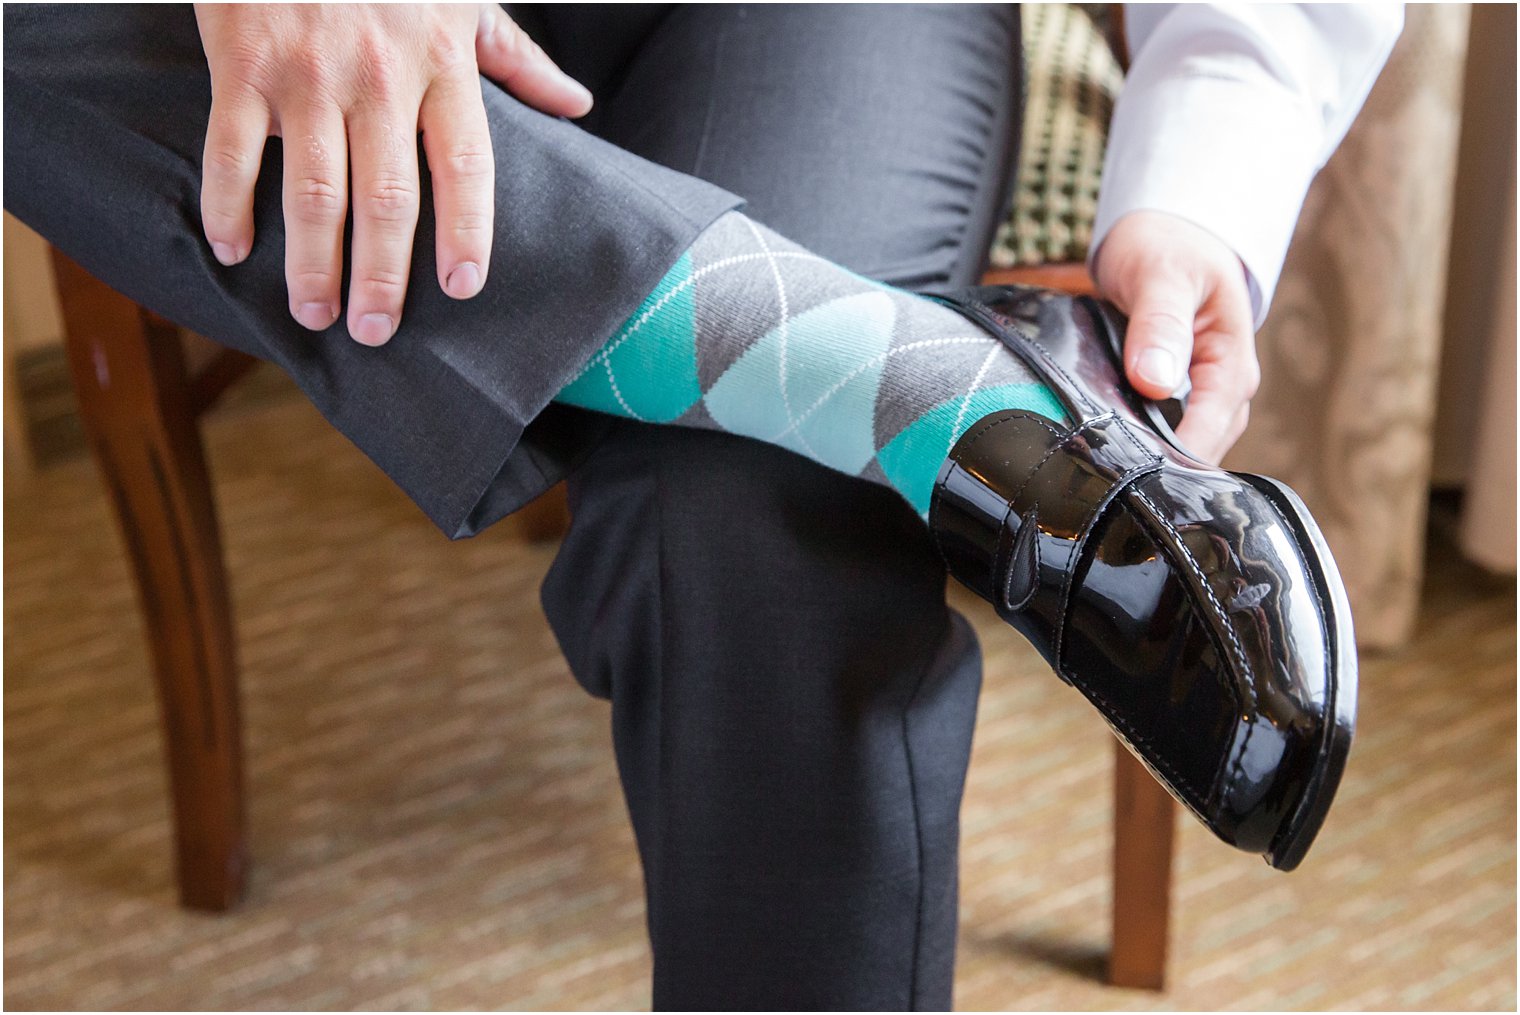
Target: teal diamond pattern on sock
798 352
648 370
810 383
911 460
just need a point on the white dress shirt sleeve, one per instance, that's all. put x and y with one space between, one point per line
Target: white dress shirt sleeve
1228 111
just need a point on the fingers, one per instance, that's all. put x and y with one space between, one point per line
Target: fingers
457 140
315 203
385 202
1159 343
1225 378
235 138
1225 374
347 88
1188 302
1237 428
507 56
1209 433
1212 409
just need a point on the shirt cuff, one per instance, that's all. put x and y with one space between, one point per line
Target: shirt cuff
1230 156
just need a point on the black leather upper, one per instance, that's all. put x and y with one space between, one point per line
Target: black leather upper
1197 609
1061 480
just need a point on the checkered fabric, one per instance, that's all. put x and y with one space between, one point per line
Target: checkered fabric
1071 81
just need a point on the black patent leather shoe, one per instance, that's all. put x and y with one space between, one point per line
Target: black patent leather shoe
1199 610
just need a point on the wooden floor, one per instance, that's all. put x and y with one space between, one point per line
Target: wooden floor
436 819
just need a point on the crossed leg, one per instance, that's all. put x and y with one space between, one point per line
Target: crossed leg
792 701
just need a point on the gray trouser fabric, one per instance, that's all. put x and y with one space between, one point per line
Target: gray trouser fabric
105 119
792 700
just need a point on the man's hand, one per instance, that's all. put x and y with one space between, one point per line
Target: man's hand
348 88
1185 294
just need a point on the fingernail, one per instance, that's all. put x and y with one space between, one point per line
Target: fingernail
1159 367
374 329
464 281
316 316
225 252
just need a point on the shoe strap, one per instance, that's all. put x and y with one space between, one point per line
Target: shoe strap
1075 345
1015 503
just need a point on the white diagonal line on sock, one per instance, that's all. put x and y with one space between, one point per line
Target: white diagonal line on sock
783 326
873 361
976 382
617 392
604 356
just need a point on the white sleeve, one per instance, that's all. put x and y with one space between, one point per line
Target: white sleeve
1229 110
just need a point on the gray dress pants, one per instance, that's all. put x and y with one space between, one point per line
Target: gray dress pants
792 701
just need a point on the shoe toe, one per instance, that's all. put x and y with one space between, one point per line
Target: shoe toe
1199 607
1199 610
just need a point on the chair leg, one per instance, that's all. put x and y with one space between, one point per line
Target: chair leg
1144 820
135 405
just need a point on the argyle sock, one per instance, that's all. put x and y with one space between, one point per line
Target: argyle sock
751 334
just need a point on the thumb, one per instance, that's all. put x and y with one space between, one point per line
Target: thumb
509 57
1159 344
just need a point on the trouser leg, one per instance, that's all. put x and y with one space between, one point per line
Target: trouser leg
792 712
792 700
882 137
105 119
